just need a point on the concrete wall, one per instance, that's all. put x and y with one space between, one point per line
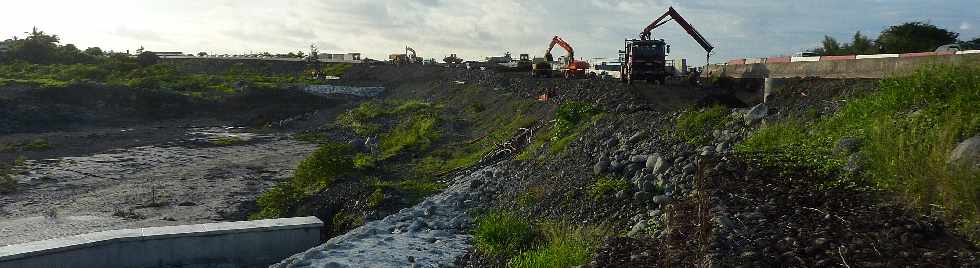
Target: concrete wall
226 244
858 68
347 90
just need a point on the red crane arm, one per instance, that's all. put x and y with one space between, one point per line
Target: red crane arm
645 35
564 45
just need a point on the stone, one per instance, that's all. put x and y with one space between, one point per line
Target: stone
615 166
722 147
640 196
611 142
966 154
855 163
637 228
621 194
661 199
707 150
637 136
601 167
847 145
638 158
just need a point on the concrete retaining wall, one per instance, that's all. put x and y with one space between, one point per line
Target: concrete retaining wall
858 68
225 244
347 90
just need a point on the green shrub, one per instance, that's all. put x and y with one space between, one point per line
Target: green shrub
227 141
279 201
412 187
376 197
696 127
7 182
605 185
502 234
364 161
566 245
313 174
568 116
415 133
37 145
908 127
317 171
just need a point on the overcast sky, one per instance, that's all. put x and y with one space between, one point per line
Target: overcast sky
470 28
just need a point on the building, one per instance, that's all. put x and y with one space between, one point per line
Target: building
340 57
168 54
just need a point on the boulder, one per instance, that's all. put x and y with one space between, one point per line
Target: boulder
638 158
847 146
966 154
601 167
616 166
637 136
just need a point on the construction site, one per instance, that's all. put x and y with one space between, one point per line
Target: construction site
546 159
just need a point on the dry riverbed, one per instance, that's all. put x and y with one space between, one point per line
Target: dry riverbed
204 174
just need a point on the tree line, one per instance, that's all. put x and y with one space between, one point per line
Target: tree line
908 37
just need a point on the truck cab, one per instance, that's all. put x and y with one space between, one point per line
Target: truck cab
644 60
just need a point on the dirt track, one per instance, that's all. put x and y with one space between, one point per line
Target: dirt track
182 181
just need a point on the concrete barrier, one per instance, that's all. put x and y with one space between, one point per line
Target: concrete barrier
859 68
225 244
367 92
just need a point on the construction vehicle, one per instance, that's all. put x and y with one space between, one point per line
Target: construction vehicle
645 58
570 68
452 59
409 57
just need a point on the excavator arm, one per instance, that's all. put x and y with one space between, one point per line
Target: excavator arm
564 45
645 35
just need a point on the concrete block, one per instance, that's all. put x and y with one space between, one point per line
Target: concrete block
804 59
876 56
246 243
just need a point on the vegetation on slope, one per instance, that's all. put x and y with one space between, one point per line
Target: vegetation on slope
527 244
906 131
696 126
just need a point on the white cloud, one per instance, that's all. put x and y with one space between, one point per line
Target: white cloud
473 29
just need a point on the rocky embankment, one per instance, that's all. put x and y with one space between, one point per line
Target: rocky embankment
433 233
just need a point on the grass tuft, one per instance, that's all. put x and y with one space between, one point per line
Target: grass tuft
696 127
605 186
502 234
566 245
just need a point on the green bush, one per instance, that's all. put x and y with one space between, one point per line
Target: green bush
279 201
313 174
376 197
502 234
568 116
696 127
415 133
908 127
605 185
7 182
318 170
566 245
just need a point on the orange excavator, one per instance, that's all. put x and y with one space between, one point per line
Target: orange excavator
645 58
571 68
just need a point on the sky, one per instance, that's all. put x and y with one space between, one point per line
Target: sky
470 28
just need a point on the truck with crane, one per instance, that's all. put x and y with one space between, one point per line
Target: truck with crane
645 58
570 68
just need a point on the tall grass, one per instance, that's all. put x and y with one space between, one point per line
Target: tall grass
696 126
909 127
502 234
565 245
